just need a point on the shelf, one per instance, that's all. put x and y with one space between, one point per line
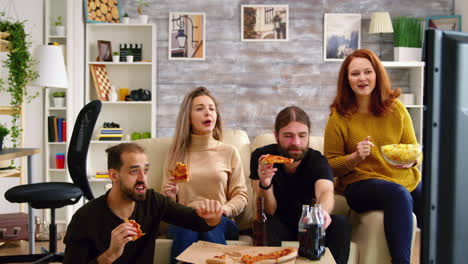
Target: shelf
57 170
57 143
403 64
57 37
146 63
118 25
58 108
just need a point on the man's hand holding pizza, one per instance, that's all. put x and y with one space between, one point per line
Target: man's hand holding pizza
265 171
211 211
120 236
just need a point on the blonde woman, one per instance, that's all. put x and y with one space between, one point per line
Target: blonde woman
215 170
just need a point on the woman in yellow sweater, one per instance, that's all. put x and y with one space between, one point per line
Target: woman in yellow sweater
365 115
215 170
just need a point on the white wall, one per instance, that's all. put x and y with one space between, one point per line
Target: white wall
461 8
32 11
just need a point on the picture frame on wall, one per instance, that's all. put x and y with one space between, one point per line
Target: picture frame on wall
341 35
104 50
264 22
102 11
444 22
187 37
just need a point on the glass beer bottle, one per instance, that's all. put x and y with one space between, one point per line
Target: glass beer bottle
260 225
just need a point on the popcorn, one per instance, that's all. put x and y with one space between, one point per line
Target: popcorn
401 154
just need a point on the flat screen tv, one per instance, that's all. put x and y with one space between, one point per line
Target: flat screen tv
444 237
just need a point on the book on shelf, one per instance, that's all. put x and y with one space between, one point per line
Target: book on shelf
64 130
110 137
56 129
59 129
50 128
102 175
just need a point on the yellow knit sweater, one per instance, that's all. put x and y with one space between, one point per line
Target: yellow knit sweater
216 173
342 136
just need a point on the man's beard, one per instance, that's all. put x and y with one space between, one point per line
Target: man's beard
131 194
296 156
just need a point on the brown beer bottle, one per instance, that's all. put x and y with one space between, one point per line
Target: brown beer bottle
259 227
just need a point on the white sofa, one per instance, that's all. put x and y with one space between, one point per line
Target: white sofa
368 240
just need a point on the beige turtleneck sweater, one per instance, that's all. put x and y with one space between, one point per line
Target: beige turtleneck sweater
216 173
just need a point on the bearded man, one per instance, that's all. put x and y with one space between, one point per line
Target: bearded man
98 232
286 187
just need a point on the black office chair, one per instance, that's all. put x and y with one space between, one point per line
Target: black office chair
53 195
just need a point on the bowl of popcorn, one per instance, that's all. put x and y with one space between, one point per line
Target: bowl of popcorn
401 154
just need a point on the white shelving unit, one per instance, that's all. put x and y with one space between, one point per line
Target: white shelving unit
138 116
54 9
414 85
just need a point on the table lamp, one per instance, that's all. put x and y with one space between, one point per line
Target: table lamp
380 23
51 67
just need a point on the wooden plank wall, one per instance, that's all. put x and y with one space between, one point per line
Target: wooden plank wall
253 81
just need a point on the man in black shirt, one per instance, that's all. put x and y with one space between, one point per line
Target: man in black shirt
286 187
97 232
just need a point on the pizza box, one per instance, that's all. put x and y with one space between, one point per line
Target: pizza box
200 251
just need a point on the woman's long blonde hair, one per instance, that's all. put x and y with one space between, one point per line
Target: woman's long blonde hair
182 140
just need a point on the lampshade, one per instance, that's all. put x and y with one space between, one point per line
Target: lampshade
51 67
380 23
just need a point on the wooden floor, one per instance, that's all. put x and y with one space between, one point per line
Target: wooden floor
22 247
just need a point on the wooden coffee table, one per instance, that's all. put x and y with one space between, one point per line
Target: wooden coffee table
327 258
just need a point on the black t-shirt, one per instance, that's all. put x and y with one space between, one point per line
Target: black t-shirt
89 232
293 190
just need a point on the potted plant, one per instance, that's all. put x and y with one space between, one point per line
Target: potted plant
115 56
129 55
19 68
59 27
408 33
4 131
125 18
59 99
142 19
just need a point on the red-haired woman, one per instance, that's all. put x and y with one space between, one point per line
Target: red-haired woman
365 115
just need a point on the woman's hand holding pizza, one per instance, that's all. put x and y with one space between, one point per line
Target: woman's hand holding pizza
265 171
211 211
170 189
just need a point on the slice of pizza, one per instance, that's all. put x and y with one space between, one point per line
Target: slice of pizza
276 159
137 226
279 256
180 172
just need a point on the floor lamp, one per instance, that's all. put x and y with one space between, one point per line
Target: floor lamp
380 23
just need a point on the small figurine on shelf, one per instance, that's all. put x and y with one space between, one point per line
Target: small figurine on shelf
113 95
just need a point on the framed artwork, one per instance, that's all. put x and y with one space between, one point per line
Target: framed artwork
341 35
187 39
104 50
444 22
102 11
101 81
264 22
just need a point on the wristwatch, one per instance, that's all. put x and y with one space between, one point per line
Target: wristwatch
263 187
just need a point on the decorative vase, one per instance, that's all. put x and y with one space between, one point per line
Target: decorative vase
129 58
115 58
125 20
407 54
143 19
60 30
113 96
59 101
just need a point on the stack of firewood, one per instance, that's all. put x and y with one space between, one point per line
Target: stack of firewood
103 11
3 42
